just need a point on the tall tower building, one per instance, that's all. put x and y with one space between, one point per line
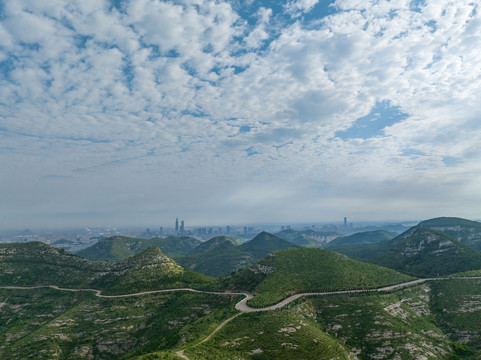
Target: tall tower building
345 221
182 227
177 226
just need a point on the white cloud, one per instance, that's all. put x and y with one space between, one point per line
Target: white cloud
300 6
92 95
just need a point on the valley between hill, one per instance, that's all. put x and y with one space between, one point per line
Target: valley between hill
292 303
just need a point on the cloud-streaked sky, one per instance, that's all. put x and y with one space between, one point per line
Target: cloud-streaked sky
133 112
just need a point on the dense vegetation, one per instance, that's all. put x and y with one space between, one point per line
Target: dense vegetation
399 325
216 257
363 246
306 238
121 247
48 324
434 320
220 256
367 237
428 252
466 231
264 244
36 263
294 271
456 306
283 335
363 251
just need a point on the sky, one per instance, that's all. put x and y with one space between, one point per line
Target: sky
122 113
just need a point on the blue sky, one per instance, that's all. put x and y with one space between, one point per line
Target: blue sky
231 112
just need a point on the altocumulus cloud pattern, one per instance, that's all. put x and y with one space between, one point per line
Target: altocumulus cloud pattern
131 111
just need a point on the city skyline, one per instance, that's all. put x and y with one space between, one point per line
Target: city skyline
126 112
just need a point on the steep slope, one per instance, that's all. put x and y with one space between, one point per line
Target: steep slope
364 245
367 237
363 251
466 231
220 256
307 238
121 247
216 243
265 243
287 272
396 325
216 257
428 252
46 324
36 263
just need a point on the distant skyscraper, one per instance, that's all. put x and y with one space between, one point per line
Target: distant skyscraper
161 231
182 227
345 221
177 225
227 229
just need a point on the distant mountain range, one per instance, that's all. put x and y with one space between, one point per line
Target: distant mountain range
35 263
307 238
216 257
427 252
435 320
121 247
437 246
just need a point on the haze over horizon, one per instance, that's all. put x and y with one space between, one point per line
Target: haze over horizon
124 113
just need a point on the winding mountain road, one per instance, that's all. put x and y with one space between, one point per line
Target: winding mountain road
242 304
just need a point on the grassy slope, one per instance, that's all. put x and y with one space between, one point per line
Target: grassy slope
281 335
428 252
306 238
363 251
121 247
384 326
36 263
418 322
288 272
399 325
264 244
466 231
363 246
456 305
448 222
367 237
220 256
48 324
216 257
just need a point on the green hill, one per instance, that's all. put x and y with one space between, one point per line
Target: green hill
221 256
466 231
264 244
427 252
36 263
367 237
287 272
216 257
217 243
306 238
364 245
120 247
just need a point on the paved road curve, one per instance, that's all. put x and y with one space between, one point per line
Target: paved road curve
242 304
